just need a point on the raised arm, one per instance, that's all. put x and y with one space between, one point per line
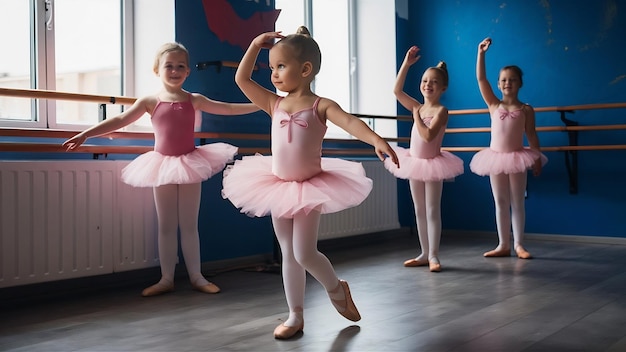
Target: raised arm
260 96
483 84
357 128
113 124
406 100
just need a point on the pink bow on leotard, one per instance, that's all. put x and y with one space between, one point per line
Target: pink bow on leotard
513 114
287 122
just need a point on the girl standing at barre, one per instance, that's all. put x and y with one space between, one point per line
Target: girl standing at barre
506 161
176 167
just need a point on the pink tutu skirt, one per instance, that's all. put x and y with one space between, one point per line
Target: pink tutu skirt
250 185
444 166
153 169
489 162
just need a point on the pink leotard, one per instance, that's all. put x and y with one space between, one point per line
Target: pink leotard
506 153
295 179
297 143
174 127
425 161
175 158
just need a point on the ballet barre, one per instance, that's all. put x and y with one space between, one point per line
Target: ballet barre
340 147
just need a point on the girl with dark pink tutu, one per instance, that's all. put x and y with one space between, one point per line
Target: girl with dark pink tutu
295 185
507 161
424 164
176 167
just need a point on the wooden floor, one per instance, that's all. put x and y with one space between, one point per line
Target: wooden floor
570 297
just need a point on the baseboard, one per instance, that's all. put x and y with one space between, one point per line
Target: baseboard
543 237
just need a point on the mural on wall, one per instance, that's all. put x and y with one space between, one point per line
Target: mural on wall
229 27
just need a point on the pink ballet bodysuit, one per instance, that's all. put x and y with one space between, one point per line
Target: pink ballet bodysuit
425 161
506 153
175 158
295 178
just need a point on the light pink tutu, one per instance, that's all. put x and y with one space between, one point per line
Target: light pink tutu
153 169
444 166
250 185
489 162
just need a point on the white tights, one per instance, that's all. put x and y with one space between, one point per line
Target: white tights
177 208
508 194
427 202
298 243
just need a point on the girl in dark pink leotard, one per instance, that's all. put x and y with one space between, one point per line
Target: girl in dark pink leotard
506 161
295 185
176 167
424 164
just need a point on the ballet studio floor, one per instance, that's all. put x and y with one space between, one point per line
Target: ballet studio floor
570 297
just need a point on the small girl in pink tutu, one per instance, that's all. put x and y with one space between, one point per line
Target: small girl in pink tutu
176 167
506 161
295 185
424 164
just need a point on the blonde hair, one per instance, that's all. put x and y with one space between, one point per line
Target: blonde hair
442 69
304 47
168 48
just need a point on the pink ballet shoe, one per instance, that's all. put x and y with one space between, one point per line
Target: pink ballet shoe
349 312
498 253
414 262
522 253
157 289
208 288
283 332
433 265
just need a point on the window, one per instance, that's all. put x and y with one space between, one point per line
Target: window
78 46
350 75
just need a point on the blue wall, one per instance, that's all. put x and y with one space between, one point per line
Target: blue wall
572 52
224 232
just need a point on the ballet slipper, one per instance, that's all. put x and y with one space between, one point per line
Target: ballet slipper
522 253
498 253
349 309
434 265
414 262
208 288
157 289
283 332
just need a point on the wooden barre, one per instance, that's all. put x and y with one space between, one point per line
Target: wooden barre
49 94
111 149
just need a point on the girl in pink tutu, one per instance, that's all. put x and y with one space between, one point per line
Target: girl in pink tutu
424 164
176 167
296 185
506 161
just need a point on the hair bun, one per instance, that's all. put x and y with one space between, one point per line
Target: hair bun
303 30
442 65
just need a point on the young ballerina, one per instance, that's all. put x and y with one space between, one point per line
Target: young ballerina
424 164
176 167
295 185
506 161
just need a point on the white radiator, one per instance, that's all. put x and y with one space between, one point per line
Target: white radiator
379 212
69 219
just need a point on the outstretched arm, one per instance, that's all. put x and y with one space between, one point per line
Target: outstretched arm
221 108
483 84
109 125
406 100
357 128
260 96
